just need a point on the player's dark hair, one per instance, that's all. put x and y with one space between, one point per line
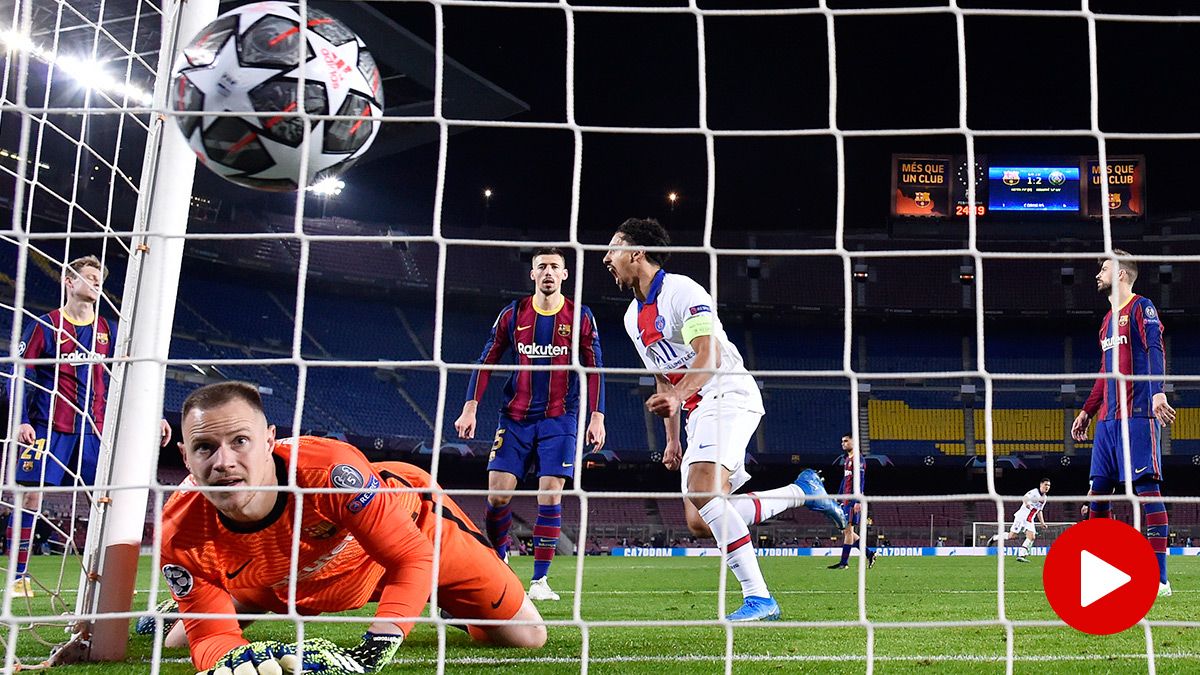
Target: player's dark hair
646 232
549 250
1130 266
1045 480
212 395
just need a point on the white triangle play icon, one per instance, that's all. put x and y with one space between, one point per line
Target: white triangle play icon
1097 578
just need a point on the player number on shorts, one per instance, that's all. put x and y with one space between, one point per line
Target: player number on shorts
35 451
499 441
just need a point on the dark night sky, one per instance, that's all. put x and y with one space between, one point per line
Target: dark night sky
771 73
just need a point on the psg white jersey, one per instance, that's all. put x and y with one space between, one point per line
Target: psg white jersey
1037 502
662 327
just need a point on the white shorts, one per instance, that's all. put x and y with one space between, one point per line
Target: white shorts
1021 523
720 434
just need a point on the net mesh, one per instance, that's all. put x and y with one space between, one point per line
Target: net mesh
111 46
74 75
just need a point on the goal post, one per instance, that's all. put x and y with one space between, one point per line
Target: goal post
129 450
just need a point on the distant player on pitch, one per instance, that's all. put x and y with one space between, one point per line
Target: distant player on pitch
538 419
1032 506
1131 343
850 507
673 324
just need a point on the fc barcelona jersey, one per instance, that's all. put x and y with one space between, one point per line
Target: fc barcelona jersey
57 393
537 337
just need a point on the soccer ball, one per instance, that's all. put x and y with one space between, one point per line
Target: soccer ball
248 61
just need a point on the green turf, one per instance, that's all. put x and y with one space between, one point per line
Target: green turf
641 589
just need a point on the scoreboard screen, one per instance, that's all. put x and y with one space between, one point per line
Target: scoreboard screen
936 186
1033 188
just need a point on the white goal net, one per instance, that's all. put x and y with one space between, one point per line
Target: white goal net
949 336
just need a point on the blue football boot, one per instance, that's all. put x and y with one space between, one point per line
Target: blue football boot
810 482
756 609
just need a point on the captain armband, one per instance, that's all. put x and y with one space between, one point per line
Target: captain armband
697 325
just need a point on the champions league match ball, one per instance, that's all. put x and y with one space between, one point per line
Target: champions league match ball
249 61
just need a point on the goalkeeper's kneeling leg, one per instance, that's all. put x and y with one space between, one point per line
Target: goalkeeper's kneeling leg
526 636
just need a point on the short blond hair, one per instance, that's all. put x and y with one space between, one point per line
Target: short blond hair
78 264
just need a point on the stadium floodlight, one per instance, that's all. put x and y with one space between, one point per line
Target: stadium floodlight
327 187
90 74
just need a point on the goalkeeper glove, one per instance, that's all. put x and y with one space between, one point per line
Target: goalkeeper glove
322 656
256 658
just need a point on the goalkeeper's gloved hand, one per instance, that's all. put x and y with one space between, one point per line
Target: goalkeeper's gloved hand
256 658
322 656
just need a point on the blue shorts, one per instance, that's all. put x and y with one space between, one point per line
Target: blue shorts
548 444
848 511
63 448
1145 450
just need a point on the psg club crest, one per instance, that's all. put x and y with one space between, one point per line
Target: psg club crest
178 578
564 329
922 200
660 323
1114 200
346 477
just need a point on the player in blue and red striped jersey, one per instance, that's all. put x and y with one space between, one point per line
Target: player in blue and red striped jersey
62 415
538 419
1131 343
850 507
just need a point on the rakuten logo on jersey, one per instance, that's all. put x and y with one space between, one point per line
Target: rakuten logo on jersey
536 351
1108 343
78 358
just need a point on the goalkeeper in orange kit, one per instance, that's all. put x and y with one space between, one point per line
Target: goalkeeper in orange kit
229 551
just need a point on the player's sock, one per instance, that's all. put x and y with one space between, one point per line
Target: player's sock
1156 527
1024 552
545 538
1100 509
27 518
756 507
732 534
498 520
846 548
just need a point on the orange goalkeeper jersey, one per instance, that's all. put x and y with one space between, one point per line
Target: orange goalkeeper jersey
352 543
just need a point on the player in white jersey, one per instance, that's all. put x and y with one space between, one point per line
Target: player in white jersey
1032 505
673 324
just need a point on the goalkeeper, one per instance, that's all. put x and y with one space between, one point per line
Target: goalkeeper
229 550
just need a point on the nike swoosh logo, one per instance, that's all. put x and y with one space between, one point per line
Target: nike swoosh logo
707 446
524 327
230 575
1141 469
568 464
496 604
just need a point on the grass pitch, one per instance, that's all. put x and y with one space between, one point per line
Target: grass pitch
899 590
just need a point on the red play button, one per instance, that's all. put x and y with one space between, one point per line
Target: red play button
1101 576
